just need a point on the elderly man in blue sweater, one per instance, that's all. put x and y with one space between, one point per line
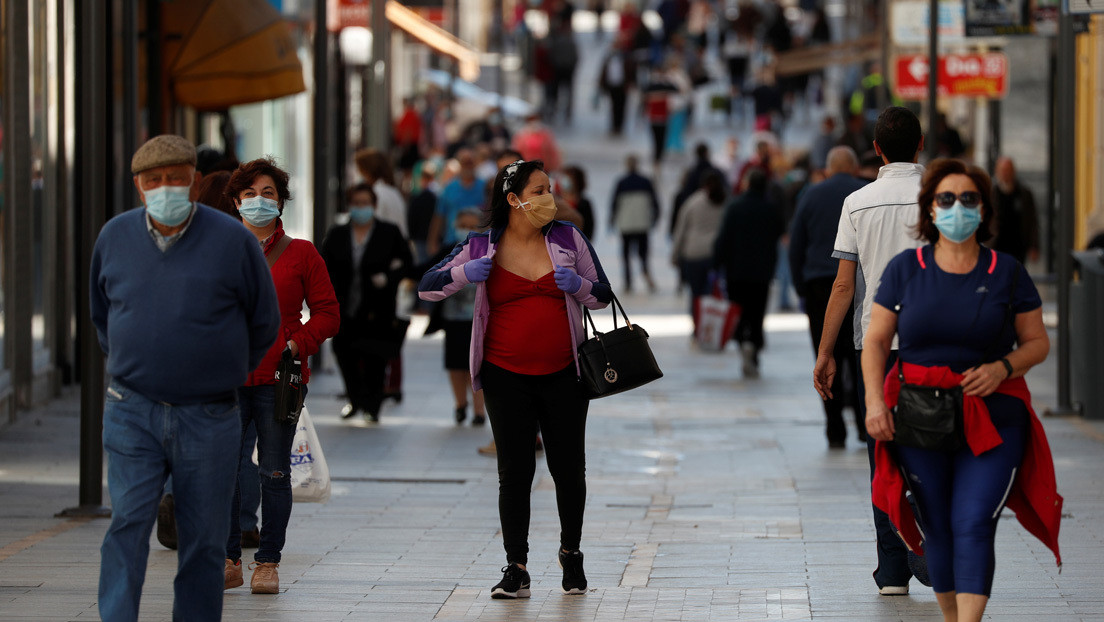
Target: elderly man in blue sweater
184 307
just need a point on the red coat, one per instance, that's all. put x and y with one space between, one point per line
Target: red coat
299 275
1034 496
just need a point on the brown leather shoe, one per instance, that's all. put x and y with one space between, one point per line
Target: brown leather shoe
265 578
233 575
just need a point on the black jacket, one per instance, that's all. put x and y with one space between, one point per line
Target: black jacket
386 253
747 244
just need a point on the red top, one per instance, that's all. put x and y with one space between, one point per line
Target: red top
1034 495
300 276
527 328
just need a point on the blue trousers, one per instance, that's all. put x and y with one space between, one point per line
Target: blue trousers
274 440
960 497
248 480
145 441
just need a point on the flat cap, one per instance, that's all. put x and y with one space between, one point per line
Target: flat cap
163 150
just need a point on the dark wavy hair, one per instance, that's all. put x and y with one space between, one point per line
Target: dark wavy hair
499 214
939 169
715 187
248 173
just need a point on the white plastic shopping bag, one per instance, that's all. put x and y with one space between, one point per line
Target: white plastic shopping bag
717 319
310 477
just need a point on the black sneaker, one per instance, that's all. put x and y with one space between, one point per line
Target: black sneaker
166 522
514 583
574 581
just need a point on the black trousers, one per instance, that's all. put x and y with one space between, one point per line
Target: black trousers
844 387
517 404
659 140
752 298
618 97
362 371
639 242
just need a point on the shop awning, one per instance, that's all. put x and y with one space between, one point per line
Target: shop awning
222 53
435 37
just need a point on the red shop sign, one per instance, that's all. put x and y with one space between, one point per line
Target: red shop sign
960 75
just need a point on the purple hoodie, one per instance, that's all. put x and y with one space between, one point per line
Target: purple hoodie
567 247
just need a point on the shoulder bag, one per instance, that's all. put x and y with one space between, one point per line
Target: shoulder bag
618 360
931 417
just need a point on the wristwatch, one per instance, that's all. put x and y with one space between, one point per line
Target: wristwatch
1007 367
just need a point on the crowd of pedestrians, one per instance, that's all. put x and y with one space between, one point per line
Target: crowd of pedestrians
492 226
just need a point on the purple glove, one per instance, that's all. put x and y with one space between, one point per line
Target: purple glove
477 270
567 280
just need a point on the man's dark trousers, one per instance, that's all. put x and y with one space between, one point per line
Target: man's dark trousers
893 568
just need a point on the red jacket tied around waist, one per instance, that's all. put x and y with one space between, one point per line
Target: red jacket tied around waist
299 275
1034 496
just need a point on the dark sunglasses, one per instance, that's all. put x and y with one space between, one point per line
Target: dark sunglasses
968 199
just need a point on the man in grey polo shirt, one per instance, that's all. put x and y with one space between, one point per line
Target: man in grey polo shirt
878 221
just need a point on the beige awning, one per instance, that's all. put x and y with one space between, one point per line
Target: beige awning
222 53
435 37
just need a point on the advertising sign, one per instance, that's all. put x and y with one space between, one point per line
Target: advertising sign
909 22
960 75
985 18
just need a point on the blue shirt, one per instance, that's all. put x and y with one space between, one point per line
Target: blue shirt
952 320
185 325
454 198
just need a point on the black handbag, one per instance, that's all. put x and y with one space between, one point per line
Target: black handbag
290 389
928 417
618 360
931 417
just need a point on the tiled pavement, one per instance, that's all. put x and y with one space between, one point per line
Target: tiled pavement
710 498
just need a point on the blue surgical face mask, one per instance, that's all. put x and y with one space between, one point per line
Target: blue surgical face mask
361 215
259 211
461 233
957 223
169 205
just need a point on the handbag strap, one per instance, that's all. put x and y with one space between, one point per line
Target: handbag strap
614 308
277 249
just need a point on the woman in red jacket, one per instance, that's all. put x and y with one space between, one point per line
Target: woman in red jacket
965 316
259 189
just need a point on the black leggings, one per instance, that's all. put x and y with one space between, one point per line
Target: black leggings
517 404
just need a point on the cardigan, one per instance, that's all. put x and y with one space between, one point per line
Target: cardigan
299 275
567 247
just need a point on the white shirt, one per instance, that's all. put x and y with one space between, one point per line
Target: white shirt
390 206
878 221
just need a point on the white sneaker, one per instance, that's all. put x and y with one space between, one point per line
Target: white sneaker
893 590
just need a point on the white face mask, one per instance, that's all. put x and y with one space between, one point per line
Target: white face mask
169 205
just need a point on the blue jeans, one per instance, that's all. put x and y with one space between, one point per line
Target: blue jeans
248 480
274 457
145 441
